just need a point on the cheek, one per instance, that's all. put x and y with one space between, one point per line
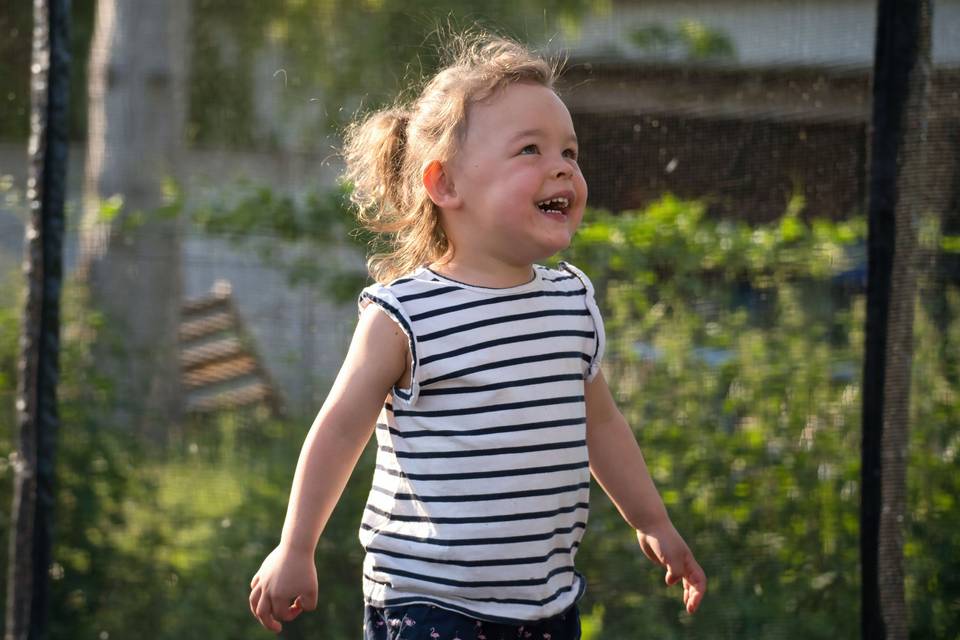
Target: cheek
581 185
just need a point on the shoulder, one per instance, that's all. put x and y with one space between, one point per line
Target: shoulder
555 274
381 308
575 282
378 332
415 285
565 276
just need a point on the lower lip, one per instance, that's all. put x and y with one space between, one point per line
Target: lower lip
554 215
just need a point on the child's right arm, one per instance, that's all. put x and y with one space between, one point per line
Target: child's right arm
286 583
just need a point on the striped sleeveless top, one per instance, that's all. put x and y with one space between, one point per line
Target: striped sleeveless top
480 494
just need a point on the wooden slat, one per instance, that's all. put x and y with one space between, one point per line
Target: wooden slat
219 371
223 349
242 396
203 305
219 368
206 325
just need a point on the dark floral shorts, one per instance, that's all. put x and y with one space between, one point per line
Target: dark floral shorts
427 622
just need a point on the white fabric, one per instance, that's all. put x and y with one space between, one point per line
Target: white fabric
480 497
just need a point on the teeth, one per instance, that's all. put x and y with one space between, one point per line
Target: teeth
560 202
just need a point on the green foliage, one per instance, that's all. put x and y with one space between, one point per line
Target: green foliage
16 31
286 233
165 538
250 211
688 40
933 529
734 351
335 55
10 310
732 361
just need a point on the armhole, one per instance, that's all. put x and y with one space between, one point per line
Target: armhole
388 303
600 338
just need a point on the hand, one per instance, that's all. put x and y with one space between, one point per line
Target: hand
664 546
283 588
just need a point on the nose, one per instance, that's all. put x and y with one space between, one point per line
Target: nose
561 168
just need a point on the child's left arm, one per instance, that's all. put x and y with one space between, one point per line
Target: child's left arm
617 464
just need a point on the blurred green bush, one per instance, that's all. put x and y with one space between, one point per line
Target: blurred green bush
734 351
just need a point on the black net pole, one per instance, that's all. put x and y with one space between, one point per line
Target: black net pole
897 196
37 418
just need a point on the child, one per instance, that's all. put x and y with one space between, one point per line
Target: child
489 365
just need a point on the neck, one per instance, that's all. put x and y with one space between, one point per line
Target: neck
484 273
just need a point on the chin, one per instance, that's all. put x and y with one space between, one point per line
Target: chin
554 250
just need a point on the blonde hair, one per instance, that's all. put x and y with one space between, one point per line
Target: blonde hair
387 153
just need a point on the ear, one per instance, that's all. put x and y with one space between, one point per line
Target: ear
440 186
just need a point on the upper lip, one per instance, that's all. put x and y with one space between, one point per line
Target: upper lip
568 194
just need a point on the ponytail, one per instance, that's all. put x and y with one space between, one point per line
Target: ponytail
374 153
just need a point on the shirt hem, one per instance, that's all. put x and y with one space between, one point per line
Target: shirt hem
447 606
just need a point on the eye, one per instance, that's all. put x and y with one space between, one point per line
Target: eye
570 153
529 149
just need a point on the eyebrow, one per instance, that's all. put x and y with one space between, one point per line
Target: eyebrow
538 132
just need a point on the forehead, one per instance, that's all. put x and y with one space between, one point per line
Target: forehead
517 107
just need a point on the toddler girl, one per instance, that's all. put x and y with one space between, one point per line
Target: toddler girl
479 370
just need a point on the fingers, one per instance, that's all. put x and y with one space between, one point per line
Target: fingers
261 609
272 611
287 612
692 596
694 581
283 609
264 614
694 587
308 601
293 610
254 600
672 553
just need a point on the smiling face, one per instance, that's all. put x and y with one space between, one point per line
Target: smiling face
520 192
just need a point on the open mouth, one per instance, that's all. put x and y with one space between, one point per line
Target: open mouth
556 205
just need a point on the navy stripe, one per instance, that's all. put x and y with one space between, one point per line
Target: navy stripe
490 408
375 581
509 517
526 337
474 584
473 475
471 453
543 357
428 294
497 562
559 279
480 497
476 542
525 382
523 426
547 313
494 300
